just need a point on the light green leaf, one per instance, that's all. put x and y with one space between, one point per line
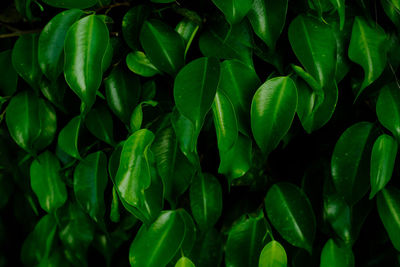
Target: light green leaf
163 46
184 262
132 23
382 162
368 48
351 160
90 181
272 112
234 10
85 45
273 255
334 256
100 123
136 120
267 17
69 136
81 4
290 212
138 63
46 182
205 200
388 108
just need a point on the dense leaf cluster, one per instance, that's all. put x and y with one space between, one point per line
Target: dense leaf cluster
199 133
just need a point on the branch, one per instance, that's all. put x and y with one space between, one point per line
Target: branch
18 33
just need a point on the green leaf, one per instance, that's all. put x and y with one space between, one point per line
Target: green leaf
163 46
245 241
51 42
388 108
205 200
273 255
272 112
25 59
39 243
208 249
90 181
8 76
341 9
267 17
132 23
290 212
31 121
81 4
54 91
314 44
85 45
351 159
122 93
69 136
100 123
138 63
368 49
234 10
239 82
382 162
334 256
136 120
184 262
187 29
392 9
195 87
225 121
46 182
157 244
174 168
388 203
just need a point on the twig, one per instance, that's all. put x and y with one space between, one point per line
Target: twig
108 7
18 33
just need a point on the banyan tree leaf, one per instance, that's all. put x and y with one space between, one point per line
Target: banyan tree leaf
383 159
51 42
272 112
388 108
85 45
234 10
333 255
341 9
69 136
184 262
290 212
100 123
139 63
47 183
368 48
273 255
132 23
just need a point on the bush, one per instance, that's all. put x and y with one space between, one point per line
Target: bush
213 133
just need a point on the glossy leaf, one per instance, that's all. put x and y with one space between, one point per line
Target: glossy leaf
195 87
206 200
225 121
25 59
157 244
187 29
163 46
368 49
245 241
90 181
47 183
388 203
132 23
184 262
267 17
71 3
334 256
136 120
85 45
382 162
122 93
239 82
138 63
234 10
388 108
273 255
351 159
290 212
69 136
51 42
100 123
272 112
8 76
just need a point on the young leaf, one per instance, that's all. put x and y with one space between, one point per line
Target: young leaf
157 244
383 158
351 159
234 10
100 123
81 4
132 23
334 256
138 63
267 17
90 181
206 200
85 45
273 255
163 46
184 262
69 136
290 212
8 76
195 87
245 241
47 183
368 49
388 108
51 42
272 112
388 202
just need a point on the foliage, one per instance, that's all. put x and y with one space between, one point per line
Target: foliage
199 133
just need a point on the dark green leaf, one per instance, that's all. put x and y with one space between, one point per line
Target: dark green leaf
388 108
341 9
273 255
8 76
208 249
334 256
100 123
234 10
69 136
132 23
138 63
